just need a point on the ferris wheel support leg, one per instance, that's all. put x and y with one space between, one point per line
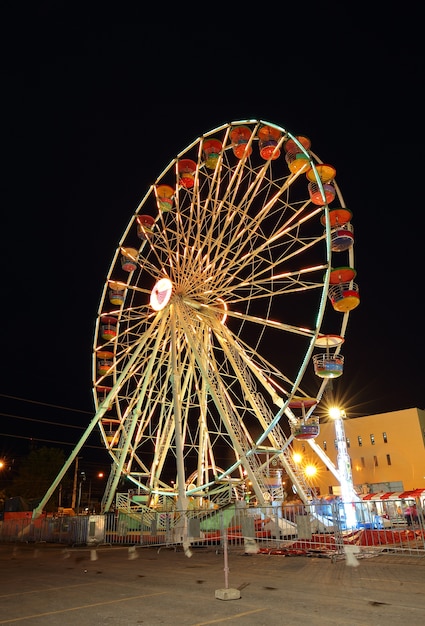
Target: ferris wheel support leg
39 509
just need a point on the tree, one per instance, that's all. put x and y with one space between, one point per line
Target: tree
36 473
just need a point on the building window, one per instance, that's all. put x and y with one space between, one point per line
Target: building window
375 461
325 445
348 443
384 437
362 460
359 439
372 440
388 459
335 444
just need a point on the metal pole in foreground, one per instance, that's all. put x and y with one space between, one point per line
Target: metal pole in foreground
225 593
226 560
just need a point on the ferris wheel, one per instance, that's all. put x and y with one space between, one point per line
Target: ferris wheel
213 305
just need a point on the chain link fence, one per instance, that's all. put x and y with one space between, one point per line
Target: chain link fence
297 529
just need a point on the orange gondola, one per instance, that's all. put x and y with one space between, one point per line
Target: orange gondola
129 259
116 293
319 197
343 292
165 197
105 362
240 136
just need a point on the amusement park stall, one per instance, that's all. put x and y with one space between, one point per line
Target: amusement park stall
391 505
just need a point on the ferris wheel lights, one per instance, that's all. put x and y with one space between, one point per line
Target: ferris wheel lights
161 294
336 413
224 308
310 470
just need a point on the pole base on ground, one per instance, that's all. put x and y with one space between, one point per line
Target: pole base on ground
227 594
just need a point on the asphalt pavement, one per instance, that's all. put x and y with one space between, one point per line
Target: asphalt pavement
43 585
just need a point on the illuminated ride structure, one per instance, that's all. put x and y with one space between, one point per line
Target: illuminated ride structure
212 310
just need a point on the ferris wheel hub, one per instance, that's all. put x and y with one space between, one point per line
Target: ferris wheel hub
161 294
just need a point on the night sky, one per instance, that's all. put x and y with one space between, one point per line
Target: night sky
93 115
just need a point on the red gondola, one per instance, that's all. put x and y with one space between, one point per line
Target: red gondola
145 224
186 169
268 140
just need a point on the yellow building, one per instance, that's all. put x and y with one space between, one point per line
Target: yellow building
387 452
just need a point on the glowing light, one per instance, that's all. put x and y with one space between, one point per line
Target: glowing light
161 294
336 413
224 305
310 470
344 467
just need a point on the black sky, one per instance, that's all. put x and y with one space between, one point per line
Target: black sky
95 112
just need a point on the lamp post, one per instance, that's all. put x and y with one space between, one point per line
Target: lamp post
82 479
344 467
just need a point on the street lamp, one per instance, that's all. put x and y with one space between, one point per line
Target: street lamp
344 467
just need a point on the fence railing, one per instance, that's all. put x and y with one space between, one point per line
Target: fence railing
306 529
